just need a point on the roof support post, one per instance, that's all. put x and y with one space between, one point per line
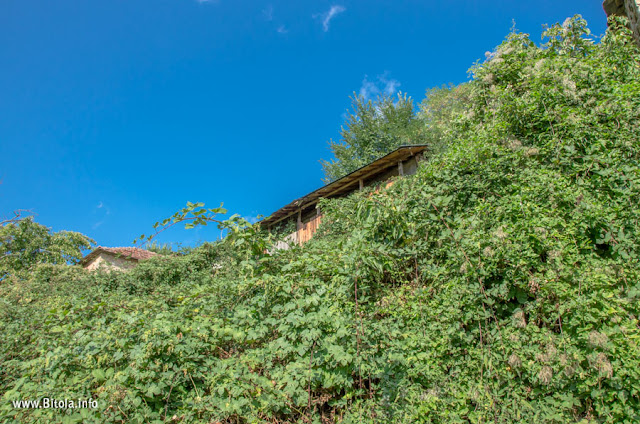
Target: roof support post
361 184
348 183
299 219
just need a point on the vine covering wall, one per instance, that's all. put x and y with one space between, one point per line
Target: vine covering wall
628 8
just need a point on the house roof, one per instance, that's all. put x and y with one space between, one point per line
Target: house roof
346 183
133 253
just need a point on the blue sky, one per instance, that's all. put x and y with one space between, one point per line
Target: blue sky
114 114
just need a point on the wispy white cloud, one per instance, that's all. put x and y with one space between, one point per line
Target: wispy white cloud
329 15
268 13
101 205
101 209
382 85
268 16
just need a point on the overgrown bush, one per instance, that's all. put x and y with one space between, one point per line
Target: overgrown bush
499 284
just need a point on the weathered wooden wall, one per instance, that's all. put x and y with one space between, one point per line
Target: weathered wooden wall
308 218
306 230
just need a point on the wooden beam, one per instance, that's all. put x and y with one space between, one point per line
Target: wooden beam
339 189
400 169
380 166
271 224
361 184
346 186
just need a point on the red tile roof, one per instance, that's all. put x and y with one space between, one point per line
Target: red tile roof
133 253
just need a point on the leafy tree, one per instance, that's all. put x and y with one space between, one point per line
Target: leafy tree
162 248
25 243
371 130
440 112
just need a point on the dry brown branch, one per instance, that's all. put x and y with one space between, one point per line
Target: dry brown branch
18 215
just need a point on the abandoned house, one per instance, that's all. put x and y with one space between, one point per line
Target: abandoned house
303 212
115 258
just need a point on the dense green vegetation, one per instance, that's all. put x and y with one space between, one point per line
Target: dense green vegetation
501 283
372 129
24 244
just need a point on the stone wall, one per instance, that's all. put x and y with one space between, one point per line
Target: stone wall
628 8
109 261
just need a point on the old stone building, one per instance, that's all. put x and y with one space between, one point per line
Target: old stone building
115 258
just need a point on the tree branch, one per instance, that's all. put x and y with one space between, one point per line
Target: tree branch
18 216
199 216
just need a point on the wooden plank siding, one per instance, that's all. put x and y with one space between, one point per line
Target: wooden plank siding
308 229
364 176
381 172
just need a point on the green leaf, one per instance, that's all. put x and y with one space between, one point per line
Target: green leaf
99 374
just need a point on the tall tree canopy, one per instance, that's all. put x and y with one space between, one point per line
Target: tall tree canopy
440 111
371 130
25 243
375 128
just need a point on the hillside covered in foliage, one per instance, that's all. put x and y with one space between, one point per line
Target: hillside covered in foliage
501 283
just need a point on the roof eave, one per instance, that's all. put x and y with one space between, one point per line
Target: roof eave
311 198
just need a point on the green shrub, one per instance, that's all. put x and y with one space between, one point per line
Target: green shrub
498 284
